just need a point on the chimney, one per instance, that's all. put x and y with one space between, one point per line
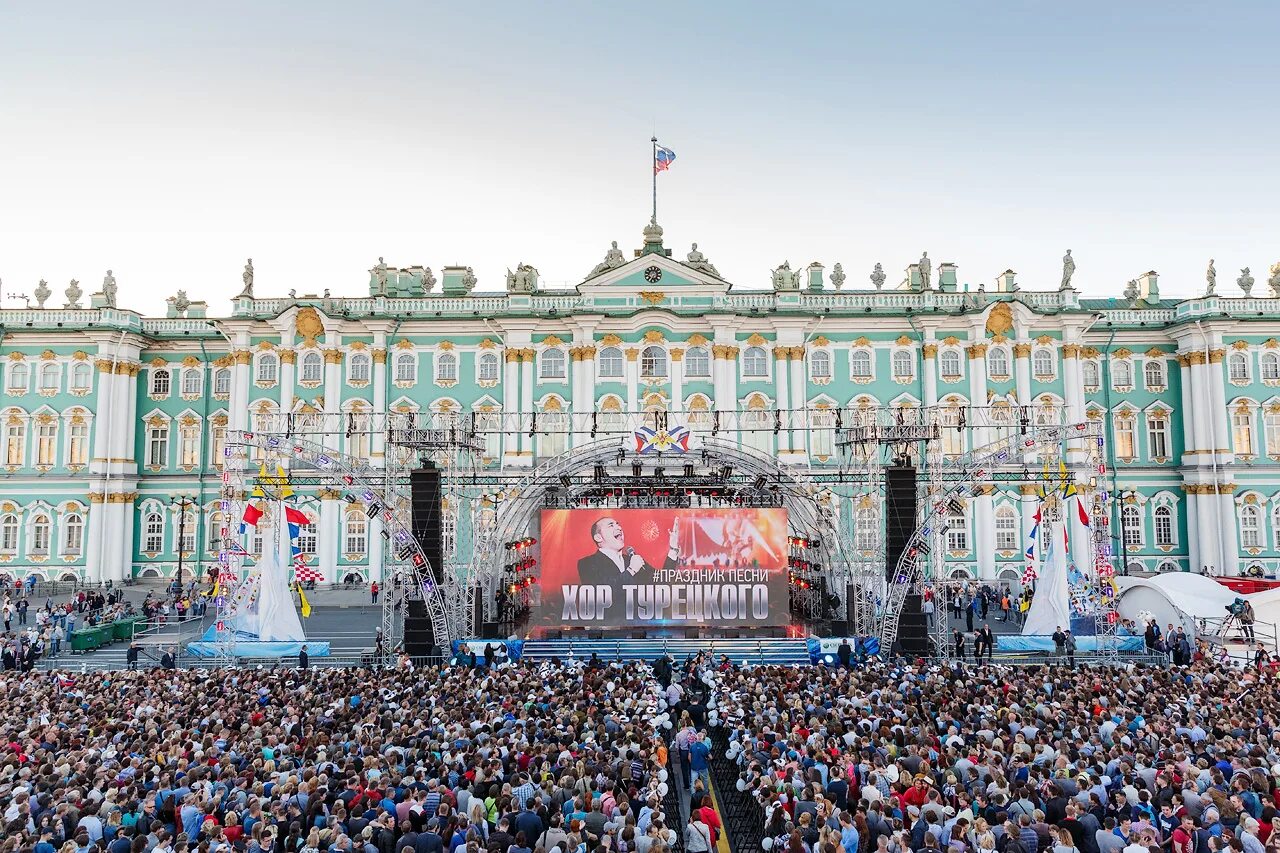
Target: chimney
814 275
1148 287
1007 282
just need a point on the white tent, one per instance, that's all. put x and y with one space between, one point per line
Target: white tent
1178 597
1050 608
274 618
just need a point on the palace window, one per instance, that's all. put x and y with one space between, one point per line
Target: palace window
40 535
222 381
904 364
268 369
1158 437
213 536
653 363
81 376
1006 529
78 443
1270 367
1153 375
406 367
820 364
998 363
489 425
307 538
50 376
609 365
312 367
1238 367
158 445
1131 524
18 377
1250 526
15 449
9 534
553 364
160 381
551 439
860 364
957 532
217 443
1042 364
1164 525
822 435
356 534
185 525
755 363
952 431
757 425
1271 421
1126 447
1242 432
446 367
46 443
192 382
867 533
1122 374
697 362
949 364
189 445
1089 375
487 367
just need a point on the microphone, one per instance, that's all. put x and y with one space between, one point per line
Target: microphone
628 552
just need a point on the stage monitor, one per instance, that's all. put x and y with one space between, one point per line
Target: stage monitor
609 568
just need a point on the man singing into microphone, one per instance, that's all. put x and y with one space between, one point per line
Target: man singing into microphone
616 563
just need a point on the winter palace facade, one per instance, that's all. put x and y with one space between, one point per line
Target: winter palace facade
109 416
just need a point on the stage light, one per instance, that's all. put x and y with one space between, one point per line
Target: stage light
350 498
688 471
565 480
599 473
761 482
636 469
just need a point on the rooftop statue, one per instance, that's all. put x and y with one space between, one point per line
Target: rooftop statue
428 280
784 278
109 289
837 276
699 261
181 303
523 280
73 293
380 277
247 276
42 293
1131 290
1068 270
612 260
1211 276
1245 281
877 277
469 280
1273 280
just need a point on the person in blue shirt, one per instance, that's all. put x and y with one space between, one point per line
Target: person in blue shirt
699 753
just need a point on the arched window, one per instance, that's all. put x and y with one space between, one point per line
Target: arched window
1131 523
184 529
160 383
407 367
697 362
50 376
358 429
189 445
46 443
158 444
487 367
1158 437
222 381
77 440
653 362
860 364
19 377
1122 374
1042 363
489 425
358 368
1124 426
312 367
822 435
356 535
957 532
699 417
8 534
1089 374
611 417
446 367
1270 367
268 369
820 364
1006 529
1167 567
15 442
1163 518
904 364
1242 431
867 529
81 376
553 364
998 363
755 363
213 534
949 364
1272 422
1250 526
192 382
40 535
1238 367
1153 375
952 431
552 426
609 363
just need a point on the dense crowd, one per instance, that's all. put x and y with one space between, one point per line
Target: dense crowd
575 758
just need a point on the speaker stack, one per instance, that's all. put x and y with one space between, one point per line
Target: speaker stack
900 524
427 511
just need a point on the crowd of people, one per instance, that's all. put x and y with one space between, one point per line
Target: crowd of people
31 633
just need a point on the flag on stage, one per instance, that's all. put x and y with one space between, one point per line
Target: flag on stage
252 512
304 573
649 440
279 479
662 159
295 516
1084 516
304 606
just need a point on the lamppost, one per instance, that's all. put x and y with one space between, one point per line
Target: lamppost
181 502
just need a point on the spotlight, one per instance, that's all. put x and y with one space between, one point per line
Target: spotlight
636 469
688 471
599 473
760 483
565 481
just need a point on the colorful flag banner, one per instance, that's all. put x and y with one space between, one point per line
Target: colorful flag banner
662 159
649 440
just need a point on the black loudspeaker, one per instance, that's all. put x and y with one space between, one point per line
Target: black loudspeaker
488 630
419 636
477 612
900 524
839 628
424 484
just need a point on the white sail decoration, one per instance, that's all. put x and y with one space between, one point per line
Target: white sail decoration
277 618
1050 608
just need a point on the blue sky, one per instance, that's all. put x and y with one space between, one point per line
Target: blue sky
169 143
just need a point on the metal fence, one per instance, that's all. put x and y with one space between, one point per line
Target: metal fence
740 811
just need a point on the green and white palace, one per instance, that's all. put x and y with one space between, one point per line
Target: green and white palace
108 415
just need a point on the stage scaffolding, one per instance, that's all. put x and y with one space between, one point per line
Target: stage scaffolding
368 457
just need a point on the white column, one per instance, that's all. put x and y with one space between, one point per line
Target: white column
240 390
631 369
96 522
376 547
1206 519
781 382
1218 414
929 369
511 406
1204 432
127 516
1022 383
288 370
1228 541
1189 438
378 444
1194 551
985 532
332 396
529 443
977 355
799 402
328 533
575 396
677 379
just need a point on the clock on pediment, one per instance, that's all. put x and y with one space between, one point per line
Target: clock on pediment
653 275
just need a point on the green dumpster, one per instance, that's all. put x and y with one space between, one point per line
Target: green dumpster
106 634
123 629
84 640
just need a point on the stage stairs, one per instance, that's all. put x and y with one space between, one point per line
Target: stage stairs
763 651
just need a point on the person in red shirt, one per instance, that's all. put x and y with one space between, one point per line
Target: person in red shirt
707 814
918 794
1184 836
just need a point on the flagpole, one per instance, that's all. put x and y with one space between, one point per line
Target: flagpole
653 164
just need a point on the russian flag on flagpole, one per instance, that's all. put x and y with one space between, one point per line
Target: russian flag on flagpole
252 512
662 159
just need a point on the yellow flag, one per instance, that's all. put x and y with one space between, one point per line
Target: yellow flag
262 478
303 604
282 480
1044 478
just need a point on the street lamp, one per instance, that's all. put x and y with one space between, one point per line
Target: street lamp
181 502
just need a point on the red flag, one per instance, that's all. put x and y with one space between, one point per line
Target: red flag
295 516
252 512
1084 516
